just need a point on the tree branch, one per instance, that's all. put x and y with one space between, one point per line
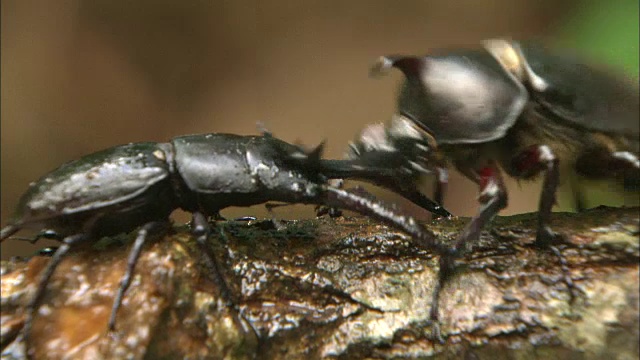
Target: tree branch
345 288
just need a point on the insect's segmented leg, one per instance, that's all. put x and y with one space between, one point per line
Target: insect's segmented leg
440 186
8 231
201 232
34 304
530 162
132 259
362 202
493 198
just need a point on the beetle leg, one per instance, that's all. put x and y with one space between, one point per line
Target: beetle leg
492 198
134 254
333 212
34 303
8 231
363 203
529 163
201 231
440 187
602 163
580 203
45 234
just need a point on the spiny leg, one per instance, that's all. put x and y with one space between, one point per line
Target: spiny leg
132 259
34 304
201 232
8 231
364 203
492 199
440 187
529 163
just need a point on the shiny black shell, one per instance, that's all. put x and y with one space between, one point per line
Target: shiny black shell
221 170
584 95
119 187
462 97
468 96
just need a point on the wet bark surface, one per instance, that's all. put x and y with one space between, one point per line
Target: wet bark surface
341 288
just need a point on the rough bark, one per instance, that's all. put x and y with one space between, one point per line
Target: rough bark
342 288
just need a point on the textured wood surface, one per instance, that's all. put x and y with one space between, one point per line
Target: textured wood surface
342 288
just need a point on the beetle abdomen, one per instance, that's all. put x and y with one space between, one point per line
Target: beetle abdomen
584 95
112 177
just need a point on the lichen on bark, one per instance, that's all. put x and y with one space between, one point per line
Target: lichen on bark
342 288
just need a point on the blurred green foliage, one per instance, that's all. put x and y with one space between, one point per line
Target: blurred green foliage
605 30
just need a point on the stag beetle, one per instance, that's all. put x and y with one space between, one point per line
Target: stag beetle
138 185
517 106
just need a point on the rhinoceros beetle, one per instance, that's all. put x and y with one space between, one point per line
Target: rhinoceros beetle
521 107
138 186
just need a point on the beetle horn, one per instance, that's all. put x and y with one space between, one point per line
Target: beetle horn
411 66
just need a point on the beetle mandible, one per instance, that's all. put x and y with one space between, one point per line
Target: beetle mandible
138 186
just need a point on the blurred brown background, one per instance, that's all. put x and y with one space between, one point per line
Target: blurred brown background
79 76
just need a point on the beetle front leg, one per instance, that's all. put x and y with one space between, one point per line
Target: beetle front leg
201 232
365 204
492 198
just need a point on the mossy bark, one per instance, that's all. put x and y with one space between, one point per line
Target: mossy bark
343 288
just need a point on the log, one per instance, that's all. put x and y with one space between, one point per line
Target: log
341 288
